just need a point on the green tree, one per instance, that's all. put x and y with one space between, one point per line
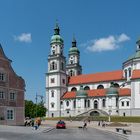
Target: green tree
32 110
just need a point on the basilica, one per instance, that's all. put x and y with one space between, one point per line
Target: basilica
69 92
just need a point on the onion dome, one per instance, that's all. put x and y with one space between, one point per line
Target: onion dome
73 49
56 38
81 93
112 91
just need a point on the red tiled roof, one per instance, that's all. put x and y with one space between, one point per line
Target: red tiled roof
97 93
124 92
97 77
135 74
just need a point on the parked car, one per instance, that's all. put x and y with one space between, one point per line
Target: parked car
61 124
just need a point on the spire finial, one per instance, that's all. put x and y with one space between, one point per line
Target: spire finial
74 41
56 29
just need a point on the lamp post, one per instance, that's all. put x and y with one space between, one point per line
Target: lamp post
36 98
109 115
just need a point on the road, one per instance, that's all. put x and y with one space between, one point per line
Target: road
60 134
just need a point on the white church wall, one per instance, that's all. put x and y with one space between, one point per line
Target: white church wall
135 93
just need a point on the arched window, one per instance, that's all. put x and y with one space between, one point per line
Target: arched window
71 72
86 88
53 52
129 72
100 87
95 104
52 93
103 103
74 89
71 61
67 103
88 103
53 65
52 105
116 85
74 104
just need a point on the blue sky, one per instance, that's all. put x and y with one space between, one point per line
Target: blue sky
106 32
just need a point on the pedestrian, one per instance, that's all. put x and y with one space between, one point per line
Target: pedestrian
99 123
85 125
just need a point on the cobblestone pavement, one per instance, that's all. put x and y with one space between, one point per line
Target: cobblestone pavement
134 127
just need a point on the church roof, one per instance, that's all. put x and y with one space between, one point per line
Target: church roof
97 93
97 77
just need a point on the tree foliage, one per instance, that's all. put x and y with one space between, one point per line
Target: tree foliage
32 110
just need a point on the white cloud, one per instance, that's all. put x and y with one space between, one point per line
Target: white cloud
24 37
106 44
123 37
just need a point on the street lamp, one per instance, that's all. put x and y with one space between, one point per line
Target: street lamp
36 102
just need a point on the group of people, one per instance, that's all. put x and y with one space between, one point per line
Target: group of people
102 123
35 123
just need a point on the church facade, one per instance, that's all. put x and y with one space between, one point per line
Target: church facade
71 93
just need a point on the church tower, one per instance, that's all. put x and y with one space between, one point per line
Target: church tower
56 75
73 67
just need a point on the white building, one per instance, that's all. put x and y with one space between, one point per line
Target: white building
71 93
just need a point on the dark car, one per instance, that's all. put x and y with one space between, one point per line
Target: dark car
61 124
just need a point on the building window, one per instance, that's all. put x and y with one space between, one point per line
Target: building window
2 77
116 102
53 66
100 87
129 72
71 73
125 72
74 104
52 80
52 93
74 89
122 103
71 61
10 114
86 88
1 95
88 103
67 103
116 85
103 103
85 104
127 103
63 81
61 103
53 52
12 96
62 66
52 105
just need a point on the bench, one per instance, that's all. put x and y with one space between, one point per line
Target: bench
119 129
127 131
124 131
